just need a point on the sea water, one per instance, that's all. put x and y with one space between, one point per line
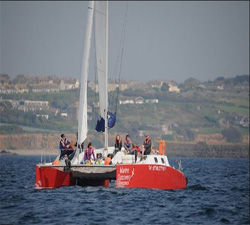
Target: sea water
217 193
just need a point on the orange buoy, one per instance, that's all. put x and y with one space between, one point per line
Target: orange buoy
72 145
162 147
56 162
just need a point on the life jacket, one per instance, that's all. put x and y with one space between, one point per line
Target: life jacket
107 161
127 143
89 152
145 143
88 162
119 141
118 144
147 140
62 144
99 161
162 147
56 162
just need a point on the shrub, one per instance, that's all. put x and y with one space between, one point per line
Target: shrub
232 134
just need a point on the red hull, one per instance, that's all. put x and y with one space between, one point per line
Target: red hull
127 175
53 177
149 176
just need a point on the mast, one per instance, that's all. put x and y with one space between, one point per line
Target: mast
106 92
82 117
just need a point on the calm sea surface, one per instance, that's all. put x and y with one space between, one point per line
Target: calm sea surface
217 193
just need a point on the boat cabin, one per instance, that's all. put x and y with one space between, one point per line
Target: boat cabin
146 159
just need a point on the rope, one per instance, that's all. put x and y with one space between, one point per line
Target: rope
120 53
119 79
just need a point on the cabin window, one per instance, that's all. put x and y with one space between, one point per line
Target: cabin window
156 160
162 160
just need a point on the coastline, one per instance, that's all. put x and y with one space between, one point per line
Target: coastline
193 150
47 144
31 152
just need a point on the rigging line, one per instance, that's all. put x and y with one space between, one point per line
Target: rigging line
124 34
119 79
120 53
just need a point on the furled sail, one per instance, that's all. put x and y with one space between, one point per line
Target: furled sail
82 119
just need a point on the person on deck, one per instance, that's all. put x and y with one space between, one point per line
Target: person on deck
99 159
118 143
78 145
154 151
147 145
108 160
134 151
88 153
141 148
65 147
127 144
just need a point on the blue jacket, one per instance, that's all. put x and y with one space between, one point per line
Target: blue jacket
62 141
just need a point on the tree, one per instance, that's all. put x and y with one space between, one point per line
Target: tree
164 87
232 134
190 134
210 119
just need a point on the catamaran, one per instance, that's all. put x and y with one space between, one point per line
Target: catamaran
146 171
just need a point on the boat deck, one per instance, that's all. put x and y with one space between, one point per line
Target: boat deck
94 172
87 171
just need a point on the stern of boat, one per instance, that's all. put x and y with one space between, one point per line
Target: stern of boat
50 176
149 176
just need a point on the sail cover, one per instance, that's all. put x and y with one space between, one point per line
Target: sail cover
101 57
111 119
100 126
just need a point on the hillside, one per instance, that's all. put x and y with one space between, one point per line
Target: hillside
213 112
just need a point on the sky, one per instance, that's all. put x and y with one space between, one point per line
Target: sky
163 39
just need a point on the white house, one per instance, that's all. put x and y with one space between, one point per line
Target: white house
139 100
173 88
64 114
152 100
43 116
127 101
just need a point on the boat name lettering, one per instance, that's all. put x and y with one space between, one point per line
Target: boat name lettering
157 168
124 170
124 177
122 183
